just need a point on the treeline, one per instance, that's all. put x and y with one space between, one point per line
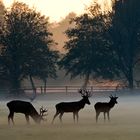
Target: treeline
101 45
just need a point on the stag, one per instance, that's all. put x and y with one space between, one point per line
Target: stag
17 106
74 107
105 107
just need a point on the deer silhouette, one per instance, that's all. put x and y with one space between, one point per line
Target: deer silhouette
74 107
105 107
18 106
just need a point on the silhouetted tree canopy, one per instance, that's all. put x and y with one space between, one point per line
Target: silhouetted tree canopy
26 45
125 36
88 52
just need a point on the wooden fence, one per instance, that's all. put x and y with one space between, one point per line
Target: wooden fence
69 89
66 89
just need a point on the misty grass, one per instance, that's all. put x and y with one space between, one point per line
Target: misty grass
120 128
124 125
70 131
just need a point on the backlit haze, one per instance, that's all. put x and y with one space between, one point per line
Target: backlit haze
56 10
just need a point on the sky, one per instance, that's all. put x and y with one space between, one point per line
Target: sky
56 10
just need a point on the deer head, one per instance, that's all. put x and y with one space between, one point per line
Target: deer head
42 113
113 99
85 94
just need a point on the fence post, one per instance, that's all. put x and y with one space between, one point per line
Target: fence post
66 89
92 88
41 88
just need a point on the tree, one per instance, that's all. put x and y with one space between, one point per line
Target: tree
125 36
2 8
26 45
88 52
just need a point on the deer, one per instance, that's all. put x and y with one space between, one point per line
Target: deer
26 108
74 107
105 107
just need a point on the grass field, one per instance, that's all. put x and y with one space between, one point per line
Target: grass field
124 125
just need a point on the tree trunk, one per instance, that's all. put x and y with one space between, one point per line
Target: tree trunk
33 88
130 79
15 86
130 82
45 85
86 81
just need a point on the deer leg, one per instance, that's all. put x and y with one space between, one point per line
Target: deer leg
97 115
11 116
108 116
9 119
104 117
27 118
77 116
60 117
56 114
74 117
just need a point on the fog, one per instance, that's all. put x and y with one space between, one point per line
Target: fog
124 125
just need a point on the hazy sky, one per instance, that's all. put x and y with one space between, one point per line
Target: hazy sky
55 9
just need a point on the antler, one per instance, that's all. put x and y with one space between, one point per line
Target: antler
116 96
81 92
88 93
42 111
85 92
113 96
